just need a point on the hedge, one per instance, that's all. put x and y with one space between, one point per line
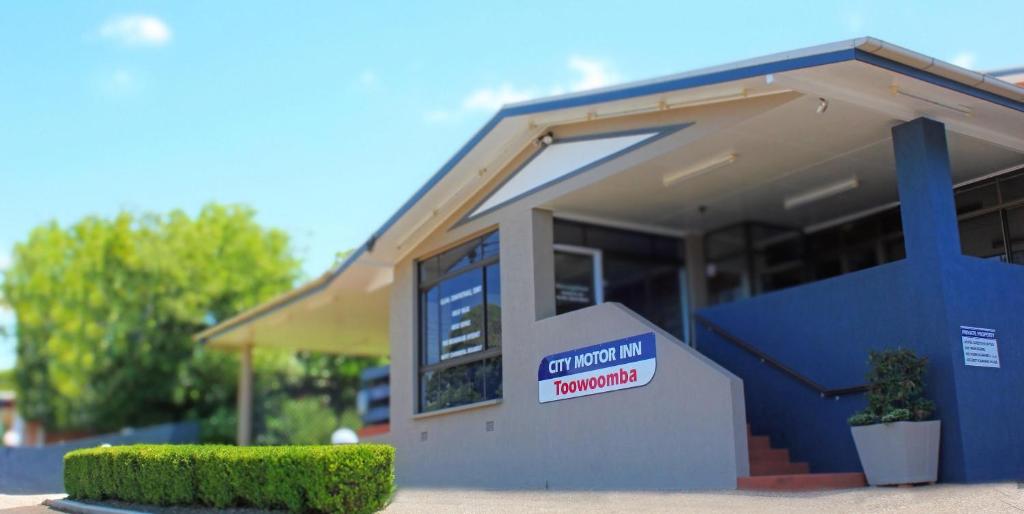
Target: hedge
348 478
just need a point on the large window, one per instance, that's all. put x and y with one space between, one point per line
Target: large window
460 325
991 215
742 262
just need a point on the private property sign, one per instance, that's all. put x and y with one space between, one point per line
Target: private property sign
980 347
620 364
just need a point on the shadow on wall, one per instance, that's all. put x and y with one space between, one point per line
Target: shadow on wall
40 470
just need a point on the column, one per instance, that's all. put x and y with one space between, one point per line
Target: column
245 396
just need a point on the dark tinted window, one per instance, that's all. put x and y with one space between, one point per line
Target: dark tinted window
460 325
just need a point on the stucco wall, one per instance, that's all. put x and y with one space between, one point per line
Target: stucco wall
684 430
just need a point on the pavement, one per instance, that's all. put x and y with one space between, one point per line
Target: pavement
25 503
933 499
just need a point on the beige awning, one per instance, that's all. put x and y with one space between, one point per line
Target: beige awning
344 311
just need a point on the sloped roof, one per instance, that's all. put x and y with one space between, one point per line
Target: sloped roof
509 122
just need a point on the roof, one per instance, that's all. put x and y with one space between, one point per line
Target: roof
485 145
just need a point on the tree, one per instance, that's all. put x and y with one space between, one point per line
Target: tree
106 309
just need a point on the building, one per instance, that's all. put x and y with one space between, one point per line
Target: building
741 236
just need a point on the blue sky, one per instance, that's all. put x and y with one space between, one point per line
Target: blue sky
326 116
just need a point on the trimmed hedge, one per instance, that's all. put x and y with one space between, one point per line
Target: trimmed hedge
349 478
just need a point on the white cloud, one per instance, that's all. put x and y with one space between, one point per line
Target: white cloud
964 60
590 74
5 260
491 99
136 30
593 73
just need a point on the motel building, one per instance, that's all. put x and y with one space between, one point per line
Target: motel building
651 285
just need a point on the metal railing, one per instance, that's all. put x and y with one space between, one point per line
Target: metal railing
771 361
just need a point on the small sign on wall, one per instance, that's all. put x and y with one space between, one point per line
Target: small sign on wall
980 347
620 364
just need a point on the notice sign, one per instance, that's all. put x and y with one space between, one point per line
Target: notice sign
620 364
980 347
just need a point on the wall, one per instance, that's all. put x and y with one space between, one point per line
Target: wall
684 430
39 470
824 330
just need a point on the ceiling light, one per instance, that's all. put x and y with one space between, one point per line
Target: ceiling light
545 140
792 202
698 169
897 90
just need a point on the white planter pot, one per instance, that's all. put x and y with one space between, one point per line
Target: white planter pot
905 452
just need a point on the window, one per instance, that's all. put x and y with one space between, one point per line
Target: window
642 271
460 325
991 216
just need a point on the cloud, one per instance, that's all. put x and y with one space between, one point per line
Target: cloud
593 73
5 260
136 30
964 60
491 99
589 74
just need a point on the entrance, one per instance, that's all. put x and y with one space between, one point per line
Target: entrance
645 272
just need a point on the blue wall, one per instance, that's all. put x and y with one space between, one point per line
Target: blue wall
824 330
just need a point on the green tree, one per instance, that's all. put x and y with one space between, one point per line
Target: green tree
105 310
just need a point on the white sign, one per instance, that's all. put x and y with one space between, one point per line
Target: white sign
980 347
601 368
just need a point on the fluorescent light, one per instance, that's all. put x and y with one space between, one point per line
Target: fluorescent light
960 109
698 169
792 202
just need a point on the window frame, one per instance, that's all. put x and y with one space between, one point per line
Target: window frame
422 287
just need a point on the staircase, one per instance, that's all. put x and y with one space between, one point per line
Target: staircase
772 470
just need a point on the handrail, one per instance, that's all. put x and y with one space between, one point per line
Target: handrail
768 359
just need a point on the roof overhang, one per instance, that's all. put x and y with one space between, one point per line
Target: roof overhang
346 310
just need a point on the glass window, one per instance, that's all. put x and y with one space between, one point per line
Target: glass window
460 325
1012 188
976 198
982 236
639 270
575 284
727 280
1015 224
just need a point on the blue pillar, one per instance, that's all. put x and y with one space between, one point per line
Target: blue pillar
932 240
926 190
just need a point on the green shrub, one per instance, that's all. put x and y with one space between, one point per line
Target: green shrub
351 478
895 389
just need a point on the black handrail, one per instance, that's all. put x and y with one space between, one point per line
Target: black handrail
768 359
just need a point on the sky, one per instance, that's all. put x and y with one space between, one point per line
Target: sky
326 116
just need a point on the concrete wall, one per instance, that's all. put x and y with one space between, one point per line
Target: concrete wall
684 430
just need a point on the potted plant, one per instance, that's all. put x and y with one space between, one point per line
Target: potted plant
895 441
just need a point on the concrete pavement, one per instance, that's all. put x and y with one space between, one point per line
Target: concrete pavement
1004 497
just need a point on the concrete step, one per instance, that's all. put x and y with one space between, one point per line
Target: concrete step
768 468
801 482
758 443
769 455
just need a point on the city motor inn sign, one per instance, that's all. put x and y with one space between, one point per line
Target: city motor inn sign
620 364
